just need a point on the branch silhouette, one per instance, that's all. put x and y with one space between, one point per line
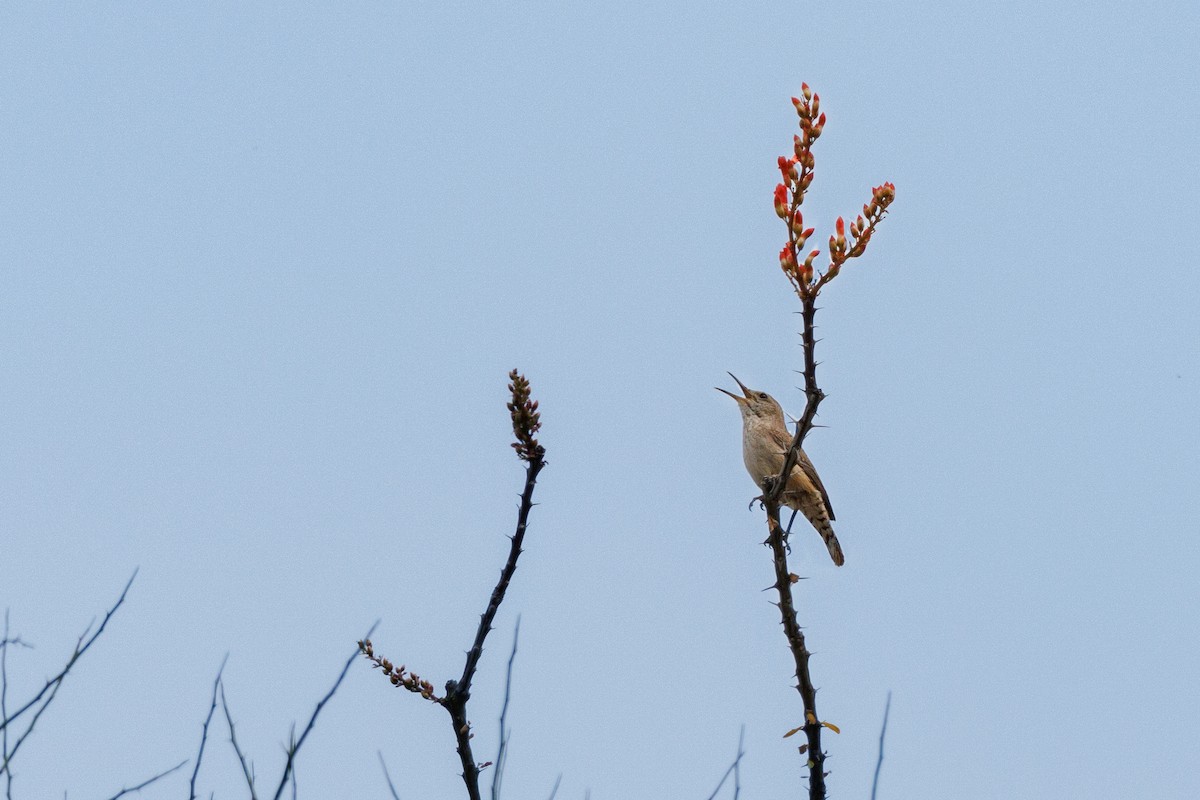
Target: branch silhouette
882 733
526 421
42 700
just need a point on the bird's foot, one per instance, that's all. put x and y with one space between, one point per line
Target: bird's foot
787 546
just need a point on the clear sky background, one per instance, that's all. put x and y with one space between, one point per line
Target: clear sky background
265 268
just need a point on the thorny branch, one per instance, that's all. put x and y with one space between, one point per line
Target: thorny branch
526 421
797 172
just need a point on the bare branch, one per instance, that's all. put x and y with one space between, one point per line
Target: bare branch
882 732
502 751
387 776
204 734
148 781
81 647
295 745
50 690
554 791
737 765
247 769
734 769
4 706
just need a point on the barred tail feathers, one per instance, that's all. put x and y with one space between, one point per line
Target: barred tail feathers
831 541
815 511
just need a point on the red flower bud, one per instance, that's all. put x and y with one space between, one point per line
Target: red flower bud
781 201
787 167
787 261
841 227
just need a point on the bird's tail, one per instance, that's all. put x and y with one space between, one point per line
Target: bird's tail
821 523
817 513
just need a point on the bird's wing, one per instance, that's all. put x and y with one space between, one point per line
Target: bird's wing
811 472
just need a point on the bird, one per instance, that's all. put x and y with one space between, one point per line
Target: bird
765 442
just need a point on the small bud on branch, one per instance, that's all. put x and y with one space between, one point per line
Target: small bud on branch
525 419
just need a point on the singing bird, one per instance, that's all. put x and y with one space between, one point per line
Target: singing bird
765 442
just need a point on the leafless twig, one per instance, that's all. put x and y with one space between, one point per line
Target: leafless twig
148 781
502 751
734 770
737 766
387 776
882 732
4 643
204 733
295 745
81 647
42 700
247 769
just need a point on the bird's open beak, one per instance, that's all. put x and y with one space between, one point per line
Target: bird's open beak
742 386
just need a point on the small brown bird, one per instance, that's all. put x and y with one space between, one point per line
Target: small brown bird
765 442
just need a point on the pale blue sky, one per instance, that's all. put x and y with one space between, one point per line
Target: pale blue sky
265 267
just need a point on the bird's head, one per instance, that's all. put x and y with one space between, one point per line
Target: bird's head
755 404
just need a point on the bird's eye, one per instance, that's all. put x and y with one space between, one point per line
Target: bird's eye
762 395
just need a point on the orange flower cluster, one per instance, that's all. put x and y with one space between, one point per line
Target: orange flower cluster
861 229
796 171
797 175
